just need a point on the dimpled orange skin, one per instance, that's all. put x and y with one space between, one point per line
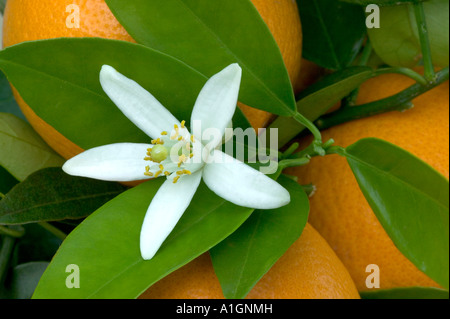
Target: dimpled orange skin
26 20
308 270
339 210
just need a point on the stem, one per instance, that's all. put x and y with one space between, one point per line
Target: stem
290 150
311 151
293 162
55 231
350 100
5 255
424 40
365 56
404 71
18 232
309 125
398 102
309 189
336 149
366 53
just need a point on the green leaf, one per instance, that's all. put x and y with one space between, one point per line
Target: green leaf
7 181
244 257
318 98
411 201
65 90
333 32
2 6
22 150
208 35
7 102
105 245
406 293
382 2
397 42
50 194
24 280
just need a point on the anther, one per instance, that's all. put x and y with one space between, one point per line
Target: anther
182 124
158 173
182 158
175 180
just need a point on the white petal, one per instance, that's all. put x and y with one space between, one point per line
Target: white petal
142 108
217 101
165 210
122 162
241 184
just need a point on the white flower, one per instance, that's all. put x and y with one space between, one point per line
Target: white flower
176 154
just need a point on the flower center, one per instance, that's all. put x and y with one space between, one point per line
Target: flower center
159 153
171 155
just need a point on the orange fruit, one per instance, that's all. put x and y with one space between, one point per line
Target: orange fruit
339 210
26 20
283 20
308 270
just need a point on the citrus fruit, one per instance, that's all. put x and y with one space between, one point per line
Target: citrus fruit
339 210
308 270
26 20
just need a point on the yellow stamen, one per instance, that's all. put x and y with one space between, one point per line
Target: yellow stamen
180 138
185 171
163 133
166 173
149 174
182 124
157 141
161 167
175 180
182 158
191 155
158 173
192 138
147 158
180 173
147 168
